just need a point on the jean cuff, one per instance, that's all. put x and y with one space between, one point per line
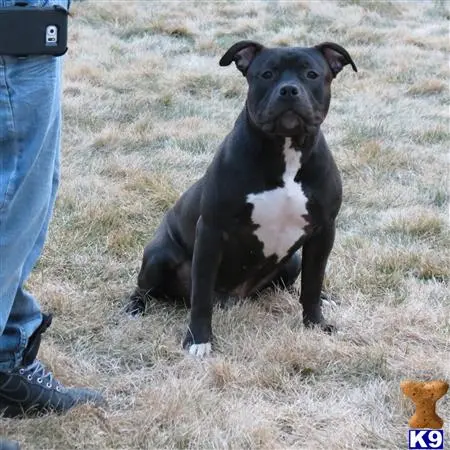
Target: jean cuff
15 359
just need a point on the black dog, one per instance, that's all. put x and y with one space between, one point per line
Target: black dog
271 188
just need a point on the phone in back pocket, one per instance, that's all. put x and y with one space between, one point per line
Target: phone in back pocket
29 30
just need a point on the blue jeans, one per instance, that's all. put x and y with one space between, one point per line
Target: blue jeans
30 129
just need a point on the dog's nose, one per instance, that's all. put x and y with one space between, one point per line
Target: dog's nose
289 90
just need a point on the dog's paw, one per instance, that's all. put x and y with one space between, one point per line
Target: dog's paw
135 306
328 328
200 350
198 344
321 325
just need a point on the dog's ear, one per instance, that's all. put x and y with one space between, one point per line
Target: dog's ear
336 56
242 53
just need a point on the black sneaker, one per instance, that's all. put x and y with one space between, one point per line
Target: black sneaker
32 390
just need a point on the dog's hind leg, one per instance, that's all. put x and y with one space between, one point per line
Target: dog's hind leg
286 276
159 276
289 272
150 279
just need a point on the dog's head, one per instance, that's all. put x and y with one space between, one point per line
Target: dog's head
289 87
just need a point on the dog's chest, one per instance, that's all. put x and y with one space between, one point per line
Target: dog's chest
280 213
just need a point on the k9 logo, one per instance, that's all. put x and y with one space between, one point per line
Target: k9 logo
428 439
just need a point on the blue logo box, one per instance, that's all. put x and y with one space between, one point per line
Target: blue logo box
428 439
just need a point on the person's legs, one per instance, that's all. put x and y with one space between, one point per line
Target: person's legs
9 445
30 130
29 147
24 303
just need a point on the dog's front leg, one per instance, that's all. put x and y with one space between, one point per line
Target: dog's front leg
314 260
205 264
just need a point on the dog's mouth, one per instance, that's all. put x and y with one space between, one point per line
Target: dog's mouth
289 120
289 123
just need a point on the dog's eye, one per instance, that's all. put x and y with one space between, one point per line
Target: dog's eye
267 75
312 75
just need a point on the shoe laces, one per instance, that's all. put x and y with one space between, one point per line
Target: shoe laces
37 370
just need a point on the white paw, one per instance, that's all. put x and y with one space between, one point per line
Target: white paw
200 350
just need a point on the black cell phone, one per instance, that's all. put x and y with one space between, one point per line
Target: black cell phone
29 30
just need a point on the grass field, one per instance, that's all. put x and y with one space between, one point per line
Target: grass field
146 105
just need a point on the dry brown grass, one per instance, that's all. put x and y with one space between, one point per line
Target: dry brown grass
146 105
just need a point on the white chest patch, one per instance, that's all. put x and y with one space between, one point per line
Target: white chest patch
279 212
